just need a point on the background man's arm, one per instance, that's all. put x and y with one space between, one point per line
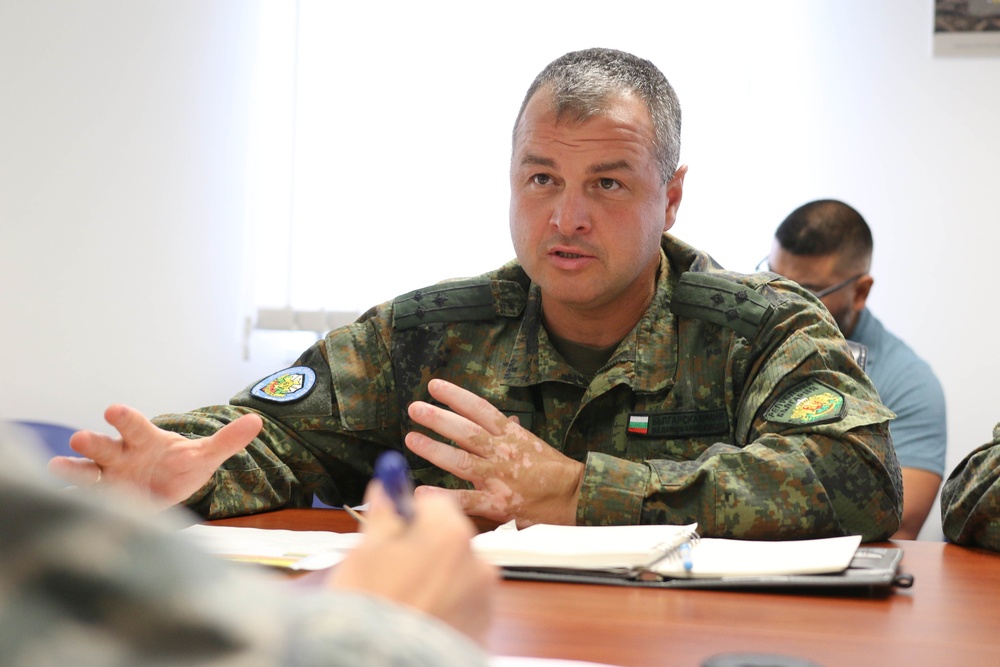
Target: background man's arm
919 435
920 488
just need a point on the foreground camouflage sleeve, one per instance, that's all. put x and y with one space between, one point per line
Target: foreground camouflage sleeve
88 580
970 498
830 470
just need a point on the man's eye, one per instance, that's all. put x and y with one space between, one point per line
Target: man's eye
541 179
609 184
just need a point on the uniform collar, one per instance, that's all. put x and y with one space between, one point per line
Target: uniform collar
646 359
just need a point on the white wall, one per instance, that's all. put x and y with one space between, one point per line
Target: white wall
122 171
122 135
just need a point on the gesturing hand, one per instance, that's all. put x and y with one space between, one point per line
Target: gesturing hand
160 464
516 475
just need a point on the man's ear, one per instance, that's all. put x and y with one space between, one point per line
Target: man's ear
861 290
675 191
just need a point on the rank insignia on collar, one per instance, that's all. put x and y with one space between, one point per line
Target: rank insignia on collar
286 386
809 402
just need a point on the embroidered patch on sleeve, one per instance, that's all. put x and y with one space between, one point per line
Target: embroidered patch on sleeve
286 386
809 402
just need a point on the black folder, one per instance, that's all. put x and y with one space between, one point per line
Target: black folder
874 571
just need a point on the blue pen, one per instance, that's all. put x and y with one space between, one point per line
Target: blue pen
391 470
686 556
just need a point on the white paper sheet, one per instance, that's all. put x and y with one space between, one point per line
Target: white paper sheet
292 549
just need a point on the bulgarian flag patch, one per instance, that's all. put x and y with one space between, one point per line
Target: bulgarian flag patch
638 424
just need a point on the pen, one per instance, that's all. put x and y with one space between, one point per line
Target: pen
355 514
391 470
686 556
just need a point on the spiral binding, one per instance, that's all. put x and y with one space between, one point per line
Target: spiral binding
669 552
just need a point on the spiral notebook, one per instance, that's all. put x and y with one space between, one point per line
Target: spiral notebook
675 556
619 550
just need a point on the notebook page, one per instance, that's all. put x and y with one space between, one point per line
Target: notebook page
715 557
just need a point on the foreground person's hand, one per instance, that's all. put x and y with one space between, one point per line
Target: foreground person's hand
427 564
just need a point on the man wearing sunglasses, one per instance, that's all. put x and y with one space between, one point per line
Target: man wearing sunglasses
826 247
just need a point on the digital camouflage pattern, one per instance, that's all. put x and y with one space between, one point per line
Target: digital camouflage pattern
712 354
970 498
87 580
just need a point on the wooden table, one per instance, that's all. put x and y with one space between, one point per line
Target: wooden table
950 617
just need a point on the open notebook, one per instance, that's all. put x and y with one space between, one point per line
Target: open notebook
674 556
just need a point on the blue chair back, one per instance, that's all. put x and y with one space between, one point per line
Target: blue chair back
55 437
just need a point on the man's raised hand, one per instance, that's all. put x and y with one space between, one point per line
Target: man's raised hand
165 466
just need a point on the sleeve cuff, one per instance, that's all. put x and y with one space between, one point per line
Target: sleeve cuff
612 492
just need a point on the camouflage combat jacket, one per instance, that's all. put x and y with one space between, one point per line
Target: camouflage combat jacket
970 498
734 402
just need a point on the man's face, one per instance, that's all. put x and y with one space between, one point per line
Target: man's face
588 204
819 272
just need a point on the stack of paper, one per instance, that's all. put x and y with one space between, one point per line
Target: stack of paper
292 549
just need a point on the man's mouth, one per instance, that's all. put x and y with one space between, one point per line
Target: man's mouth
569 255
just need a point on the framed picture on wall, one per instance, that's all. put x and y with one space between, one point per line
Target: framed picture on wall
966 27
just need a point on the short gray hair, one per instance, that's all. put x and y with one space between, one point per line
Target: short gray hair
584 82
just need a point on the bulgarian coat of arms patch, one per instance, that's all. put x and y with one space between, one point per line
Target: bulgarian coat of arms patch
809 402
286 386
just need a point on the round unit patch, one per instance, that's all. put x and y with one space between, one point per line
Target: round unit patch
286 386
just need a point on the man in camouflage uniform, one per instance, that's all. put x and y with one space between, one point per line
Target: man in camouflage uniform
612 374
970 498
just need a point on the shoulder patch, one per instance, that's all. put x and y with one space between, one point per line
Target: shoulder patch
720 300
291 384
809 402
474 300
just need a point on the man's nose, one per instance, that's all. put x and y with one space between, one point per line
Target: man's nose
571 214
